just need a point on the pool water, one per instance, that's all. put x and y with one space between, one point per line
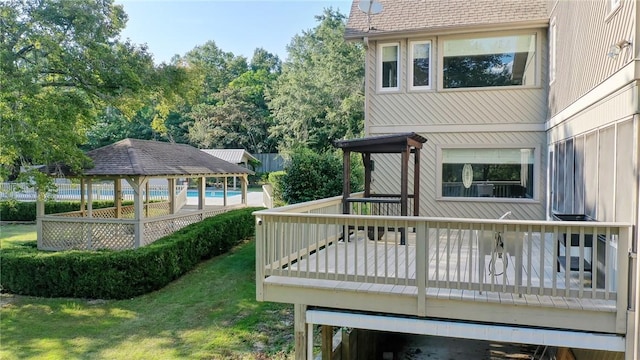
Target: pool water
213 193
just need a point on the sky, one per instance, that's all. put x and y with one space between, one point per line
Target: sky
170 27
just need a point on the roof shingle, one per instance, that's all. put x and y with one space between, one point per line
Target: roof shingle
431 15
132 157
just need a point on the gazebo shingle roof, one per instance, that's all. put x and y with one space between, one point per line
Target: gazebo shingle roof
132 157
399 16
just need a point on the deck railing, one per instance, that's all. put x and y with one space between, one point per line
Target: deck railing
516 257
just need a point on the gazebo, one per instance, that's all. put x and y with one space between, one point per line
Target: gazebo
136 162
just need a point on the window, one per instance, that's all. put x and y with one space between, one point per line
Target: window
388 66
552 51
489 61
420 65
495 173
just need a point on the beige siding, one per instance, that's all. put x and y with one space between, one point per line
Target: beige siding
606 136
585 31
507 110
388 180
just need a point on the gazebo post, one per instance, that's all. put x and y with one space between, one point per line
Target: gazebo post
171 188
89 198
83 201
117 196
245 185
138 199
146 199
40 212
224 189
201 192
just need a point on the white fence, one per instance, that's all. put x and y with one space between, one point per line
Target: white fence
22 192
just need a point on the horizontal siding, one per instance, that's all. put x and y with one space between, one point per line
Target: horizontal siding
585 31
386 178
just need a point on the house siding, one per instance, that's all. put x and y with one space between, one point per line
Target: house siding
585 31
498 117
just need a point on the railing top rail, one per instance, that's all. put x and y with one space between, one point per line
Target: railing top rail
296 208
87 220
415 219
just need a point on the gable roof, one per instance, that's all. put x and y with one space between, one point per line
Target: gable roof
234 156
133 157
401 16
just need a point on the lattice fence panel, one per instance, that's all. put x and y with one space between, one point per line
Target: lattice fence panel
159 209
73 214
154 230
61 235
106 213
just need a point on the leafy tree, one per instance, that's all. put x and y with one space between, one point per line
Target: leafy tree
237 116
61 64
320 95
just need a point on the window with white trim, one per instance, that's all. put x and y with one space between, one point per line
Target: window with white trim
552 51
389 67
488 172
420 65
489 61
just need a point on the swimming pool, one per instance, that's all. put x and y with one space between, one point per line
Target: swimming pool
213 193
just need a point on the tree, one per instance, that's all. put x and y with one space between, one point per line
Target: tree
237 116
320 95
61 64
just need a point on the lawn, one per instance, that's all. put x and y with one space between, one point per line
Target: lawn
210 313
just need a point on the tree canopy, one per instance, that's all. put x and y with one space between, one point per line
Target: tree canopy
62 64
320 95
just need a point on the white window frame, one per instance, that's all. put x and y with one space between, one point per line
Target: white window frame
538 59
410 65
536 173
379 67
553 52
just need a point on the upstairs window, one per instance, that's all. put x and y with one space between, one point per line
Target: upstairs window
489 61
388 67
420 65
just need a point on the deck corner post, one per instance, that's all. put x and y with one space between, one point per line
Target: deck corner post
624 292
260 238
300 332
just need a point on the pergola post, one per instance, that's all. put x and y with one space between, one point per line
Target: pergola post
416 182
346 177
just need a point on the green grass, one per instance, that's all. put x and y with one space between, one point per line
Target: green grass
17 235
210 313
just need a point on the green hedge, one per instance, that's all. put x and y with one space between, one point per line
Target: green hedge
26 210
122 274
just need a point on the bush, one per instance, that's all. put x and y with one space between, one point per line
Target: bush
311 176
12 210
275 179
122 274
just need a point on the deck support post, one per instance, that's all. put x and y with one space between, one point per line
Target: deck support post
300 332
327 342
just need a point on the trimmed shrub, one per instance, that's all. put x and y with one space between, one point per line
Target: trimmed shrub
123 274
12 210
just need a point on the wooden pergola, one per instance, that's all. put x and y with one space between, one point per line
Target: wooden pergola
404 144
136 162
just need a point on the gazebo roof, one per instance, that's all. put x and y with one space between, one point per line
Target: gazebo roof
133 157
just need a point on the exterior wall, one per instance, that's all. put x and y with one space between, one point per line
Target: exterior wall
487 117
585 31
